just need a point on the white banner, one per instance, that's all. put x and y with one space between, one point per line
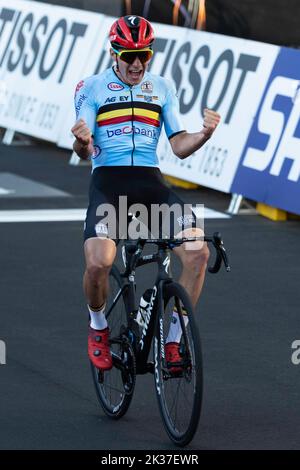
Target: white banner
222 73
43 52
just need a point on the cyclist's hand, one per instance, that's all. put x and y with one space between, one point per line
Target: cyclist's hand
82 133
210 122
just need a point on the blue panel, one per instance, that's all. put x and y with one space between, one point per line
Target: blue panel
276 191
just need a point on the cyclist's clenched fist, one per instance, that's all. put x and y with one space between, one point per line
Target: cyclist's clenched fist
210 122
82 133
84 143
185 143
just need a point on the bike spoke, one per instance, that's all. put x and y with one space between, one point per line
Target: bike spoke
114 389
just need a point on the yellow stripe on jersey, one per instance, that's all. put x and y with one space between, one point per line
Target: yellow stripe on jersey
128 112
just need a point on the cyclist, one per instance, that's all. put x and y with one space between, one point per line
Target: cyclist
120 113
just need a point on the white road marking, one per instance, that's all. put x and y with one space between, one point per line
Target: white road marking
70 215
4 192
212 214
43 215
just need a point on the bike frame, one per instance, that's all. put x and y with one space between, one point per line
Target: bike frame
143 341
135 259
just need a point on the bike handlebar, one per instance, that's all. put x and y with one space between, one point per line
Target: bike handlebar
218 244
135 248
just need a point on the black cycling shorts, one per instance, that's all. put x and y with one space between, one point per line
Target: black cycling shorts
116 191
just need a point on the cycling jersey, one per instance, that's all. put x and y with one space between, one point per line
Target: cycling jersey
126 120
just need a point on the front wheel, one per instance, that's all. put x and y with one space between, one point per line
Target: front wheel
179 387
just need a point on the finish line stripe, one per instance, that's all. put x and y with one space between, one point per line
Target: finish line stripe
43 215
69 215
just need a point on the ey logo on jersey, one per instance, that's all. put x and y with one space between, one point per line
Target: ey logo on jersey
269 169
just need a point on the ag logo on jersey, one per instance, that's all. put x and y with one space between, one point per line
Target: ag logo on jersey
113 86
147 87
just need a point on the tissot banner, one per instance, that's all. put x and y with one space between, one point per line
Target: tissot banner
46 50
221 73
43 52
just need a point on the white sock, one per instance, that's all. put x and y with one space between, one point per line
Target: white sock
175 330
98 320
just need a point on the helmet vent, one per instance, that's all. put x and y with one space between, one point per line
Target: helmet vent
120 32
135 35
131 32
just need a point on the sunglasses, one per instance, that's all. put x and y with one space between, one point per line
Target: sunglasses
129 56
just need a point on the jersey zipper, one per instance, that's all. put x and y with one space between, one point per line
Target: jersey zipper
132 122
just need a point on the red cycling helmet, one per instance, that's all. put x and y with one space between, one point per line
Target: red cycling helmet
131 32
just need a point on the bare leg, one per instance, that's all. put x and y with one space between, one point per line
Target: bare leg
194 262
193 275
99 256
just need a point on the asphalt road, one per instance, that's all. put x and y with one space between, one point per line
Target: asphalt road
248 320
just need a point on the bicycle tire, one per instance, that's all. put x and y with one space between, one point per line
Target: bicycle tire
114 398
180 429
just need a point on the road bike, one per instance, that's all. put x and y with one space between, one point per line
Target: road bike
178 385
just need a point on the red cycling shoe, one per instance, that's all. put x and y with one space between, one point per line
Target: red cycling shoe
173 356
98 348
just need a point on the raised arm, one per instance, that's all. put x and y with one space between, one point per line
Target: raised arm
184 143
84 127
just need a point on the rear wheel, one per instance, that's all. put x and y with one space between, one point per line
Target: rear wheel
114 388
179 393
